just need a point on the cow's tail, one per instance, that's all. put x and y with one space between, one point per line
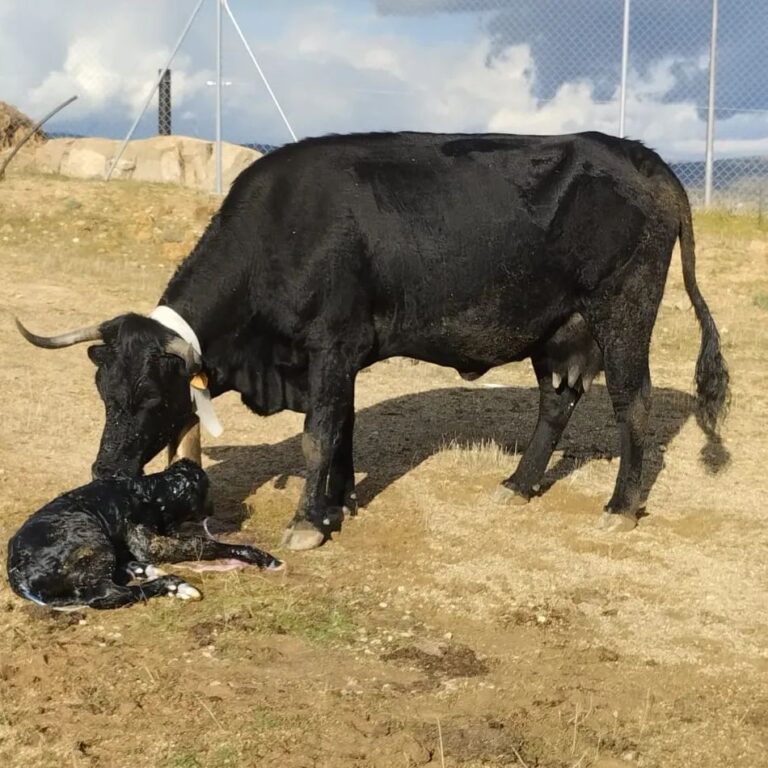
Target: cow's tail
712 391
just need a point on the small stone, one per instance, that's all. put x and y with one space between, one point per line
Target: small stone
172 234
429 647
383 605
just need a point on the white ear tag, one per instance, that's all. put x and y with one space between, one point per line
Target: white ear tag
198 384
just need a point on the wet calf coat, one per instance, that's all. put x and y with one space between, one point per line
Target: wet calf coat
84 547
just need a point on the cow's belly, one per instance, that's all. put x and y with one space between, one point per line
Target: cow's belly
468 344
569 351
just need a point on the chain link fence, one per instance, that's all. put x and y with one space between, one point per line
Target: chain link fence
519 66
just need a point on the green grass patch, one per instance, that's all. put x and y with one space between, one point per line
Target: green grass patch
224 755
264 720
235 609
319 624
722 224
761 300
183 759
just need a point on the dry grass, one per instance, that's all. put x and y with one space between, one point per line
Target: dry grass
528 637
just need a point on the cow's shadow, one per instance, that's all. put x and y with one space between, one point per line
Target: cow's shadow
396 435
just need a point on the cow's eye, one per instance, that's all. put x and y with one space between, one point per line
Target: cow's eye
151 403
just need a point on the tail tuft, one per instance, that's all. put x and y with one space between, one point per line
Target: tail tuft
712 378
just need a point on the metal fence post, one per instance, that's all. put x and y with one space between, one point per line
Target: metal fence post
218 96
255 61
624 67
155 86
709 156
164 103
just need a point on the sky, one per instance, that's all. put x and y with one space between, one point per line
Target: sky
518 66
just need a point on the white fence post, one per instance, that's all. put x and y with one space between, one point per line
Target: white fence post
218 96
709 156
624 67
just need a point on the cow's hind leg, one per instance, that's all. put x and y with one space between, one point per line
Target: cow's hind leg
341 476
555 408
629 385
623 328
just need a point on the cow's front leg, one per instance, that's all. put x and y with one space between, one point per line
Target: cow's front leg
327 448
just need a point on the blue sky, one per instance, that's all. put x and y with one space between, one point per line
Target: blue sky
526 66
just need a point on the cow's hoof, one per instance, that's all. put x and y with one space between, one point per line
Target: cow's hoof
302 536
508 496
612 522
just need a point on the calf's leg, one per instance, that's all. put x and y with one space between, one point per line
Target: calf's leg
107 594
150 547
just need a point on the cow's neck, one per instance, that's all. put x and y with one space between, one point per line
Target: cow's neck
210 288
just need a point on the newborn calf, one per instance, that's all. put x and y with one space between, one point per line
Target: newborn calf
83 548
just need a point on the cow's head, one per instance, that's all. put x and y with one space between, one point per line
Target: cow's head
142 374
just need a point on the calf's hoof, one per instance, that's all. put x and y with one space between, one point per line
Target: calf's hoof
183 591
301 536
143 571
504 494
615 522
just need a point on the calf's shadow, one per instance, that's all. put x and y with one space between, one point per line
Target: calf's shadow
396 435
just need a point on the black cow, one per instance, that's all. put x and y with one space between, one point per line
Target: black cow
83 548
468 251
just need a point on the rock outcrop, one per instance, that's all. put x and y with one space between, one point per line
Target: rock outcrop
166 159
14 125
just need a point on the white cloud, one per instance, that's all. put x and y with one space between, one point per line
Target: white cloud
332 71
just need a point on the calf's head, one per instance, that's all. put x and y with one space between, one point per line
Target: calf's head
176 496
142 375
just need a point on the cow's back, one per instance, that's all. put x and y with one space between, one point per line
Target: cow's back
437 240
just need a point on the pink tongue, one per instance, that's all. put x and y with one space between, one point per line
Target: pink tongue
201 566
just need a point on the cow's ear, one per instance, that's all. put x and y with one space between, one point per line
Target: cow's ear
98 354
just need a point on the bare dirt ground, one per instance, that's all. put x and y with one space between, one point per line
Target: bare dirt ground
437 628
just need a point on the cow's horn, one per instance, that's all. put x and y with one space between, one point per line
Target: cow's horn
91 333
183 349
